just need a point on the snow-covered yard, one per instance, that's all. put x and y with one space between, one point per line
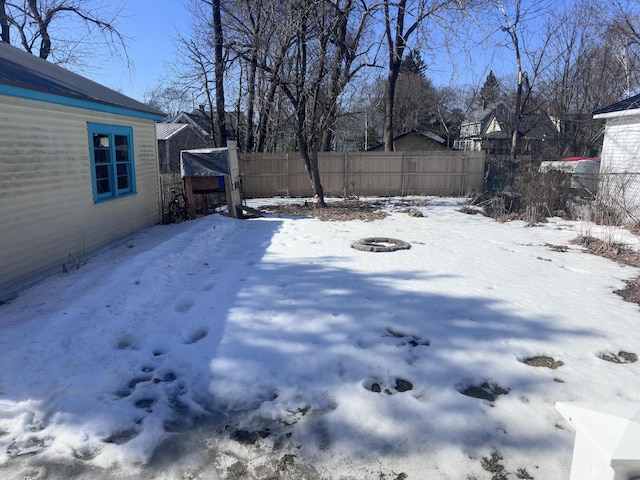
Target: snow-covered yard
269 348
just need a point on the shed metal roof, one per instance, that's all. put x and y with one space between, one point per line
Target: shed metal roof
23 70
164 130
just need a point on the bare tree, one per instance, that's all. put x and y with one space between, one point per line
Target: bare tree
323 24
312 53
63 30
249 33
168 98
512 24
586 70
516 27
201 70
4 23
401 20
623 20
200 76
219 60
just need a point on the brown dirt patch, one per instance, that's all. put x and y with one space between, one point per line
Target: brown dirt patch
343 210
543 361
620 253
620 357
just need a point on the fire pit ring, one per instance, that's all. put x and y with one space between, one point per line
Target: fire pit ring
380 244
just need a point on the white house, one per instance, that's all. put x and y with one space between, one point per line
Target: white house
620 159
78 167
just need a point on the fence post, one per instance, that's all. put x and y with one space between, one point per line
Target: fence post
162 197
287 170
402 175
346 179
464 172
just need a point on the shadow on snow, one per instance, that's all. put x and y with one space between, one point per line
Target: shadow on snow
282 356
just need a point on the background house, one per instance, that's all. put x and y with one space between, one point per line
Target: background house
415 142
490 130
174 137
471 129
204 123
78 167
200 122
620 159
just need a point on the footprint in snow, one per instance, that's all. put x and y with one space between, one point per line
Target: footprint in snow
121 437
196 335
406 339
131 385
125 342
145 403
183 305
399 385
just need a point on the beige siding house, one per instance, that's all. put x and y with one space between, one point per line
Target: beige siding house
78 168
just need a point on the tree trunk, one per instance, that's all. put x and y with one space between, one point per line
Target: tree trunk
219 74
251 100
4 23
310 159
518 115
516 121
45 39
390 97
265 118
396 44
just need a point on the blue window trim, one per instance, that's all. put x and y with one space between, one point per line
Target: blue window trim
111 131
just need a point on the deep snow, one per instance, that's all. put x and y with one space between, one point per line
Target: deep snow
224 348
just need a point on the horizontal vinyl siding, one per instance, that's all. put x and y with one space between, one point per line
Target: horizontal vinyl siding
47 212
619 185
621 148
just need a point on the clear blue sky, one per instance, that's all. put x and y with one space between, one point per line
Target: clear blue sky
151 26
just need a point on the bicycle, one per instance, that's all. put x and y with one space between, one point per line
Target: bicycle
178 207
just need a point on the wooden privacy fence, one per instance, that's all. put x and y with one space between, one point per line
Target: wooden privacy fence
454 173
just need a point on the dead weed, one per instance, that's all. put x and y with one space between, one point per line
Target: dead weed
344 210
620 253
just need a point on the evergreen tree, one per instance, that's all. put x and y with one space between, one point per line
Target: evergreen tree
490 91
413 63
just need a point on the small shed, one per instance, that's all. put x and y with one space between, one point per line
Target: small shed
78 168
416 142
172 139
620 158
211 170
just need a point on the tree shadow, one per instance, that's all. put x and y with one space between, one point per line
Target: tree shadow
101 364
232 349
311 338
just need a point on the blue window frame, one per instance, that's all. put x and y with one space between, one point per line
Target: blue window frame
112 162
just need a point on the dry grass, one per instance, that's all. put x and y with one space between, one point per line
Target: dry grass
343 210
620 253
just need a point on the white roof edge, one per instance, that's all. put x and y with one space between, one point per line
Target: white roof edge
435 137
622 113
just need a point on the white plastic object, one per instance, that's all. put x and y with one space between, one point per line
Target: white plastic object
607 445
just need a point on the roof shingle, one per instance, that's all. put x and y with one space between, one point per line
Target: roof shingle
21 69
631 103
